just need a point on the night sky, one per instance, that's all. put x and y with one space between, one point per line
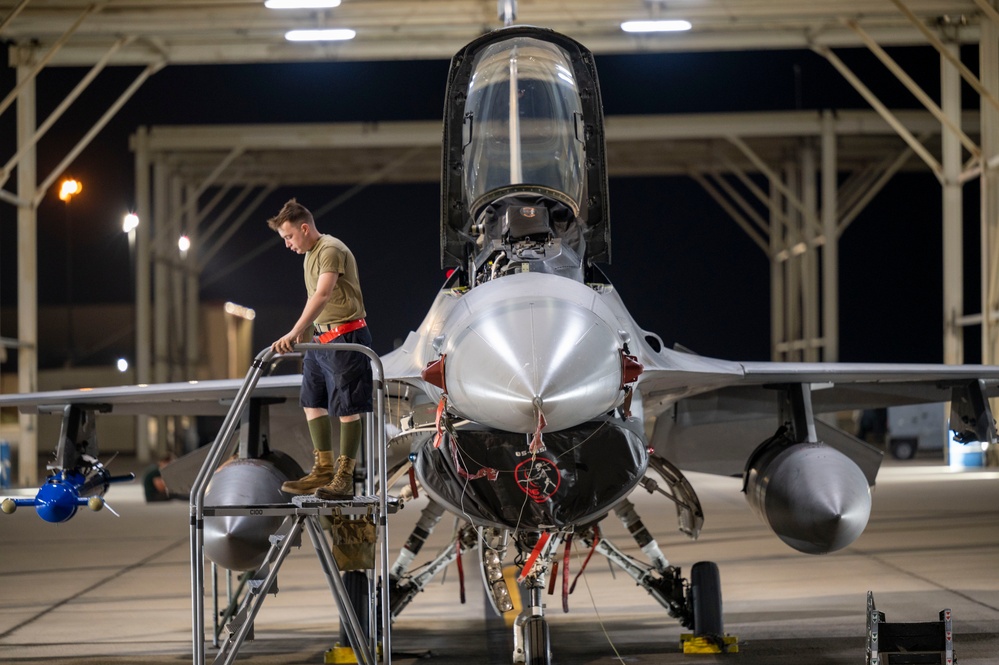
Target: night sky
683 267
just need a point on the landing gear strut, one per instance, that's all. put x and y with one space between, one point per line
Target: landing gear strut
531 637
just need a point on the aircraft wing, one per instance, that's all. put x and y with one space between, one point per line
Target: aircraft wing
194 398
748 388
715 427
186 398
839 386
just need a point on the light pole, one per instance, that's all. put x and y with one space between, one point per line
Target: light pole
67 190
129 224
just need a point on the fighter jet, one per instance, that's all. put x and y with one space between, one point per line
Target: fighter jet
535 404
550 404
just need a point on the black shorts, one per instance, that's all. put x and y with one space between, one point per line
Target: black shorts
339 381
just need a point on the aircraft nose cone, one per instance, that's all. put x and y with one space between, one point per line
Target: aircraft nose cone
818 500
547 351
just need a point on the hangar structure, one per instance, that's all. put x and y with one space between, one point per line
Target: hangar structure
792 181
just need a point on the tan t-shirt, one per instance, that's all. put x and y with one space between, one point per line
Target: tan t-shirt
331 255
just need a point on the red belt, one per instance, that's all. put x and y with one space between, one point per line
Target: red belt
342 329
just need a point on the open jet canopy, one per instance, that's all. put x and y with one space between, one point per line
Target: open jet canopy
523 125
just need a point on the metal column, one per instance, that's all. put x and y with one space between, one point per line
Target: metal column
143 283
27 277
989 71
830 249
953 281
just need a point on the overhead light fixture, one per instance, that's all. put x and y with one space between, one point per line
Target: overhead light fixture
325 35
240 311
301 4
656 26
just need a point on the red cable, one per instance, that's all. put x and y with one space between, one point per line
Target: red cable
565 573
412 482
593 548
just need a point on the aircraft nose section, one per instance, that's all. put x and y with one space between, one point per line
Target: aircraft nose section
542 352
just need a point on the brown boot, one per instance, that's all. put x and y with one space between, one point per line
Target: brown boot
322 472
342 485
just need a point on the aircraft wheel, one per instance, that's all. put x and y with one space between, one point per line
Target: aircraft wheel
705 586
903 449
537 642
356 582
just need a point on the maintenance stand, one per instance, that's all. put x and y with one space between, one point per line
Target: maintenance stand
915 643
302 514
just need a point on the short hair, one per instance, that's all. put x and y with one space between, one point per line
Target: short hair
293 212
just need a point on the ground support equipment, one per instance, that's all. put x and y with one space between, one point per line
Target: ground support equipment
913 643
302 514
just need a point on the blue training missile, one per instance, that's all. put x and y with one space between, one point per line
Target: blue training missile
64 492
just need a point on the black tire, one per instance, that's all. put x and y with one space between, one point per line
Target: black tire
903 449
705 590
537 642
356 582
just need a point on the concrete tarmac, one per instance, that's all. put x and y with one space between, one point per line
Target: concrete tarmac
106 590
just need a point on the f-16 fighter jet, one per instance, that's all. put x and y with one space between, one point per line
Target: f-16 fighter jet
535 405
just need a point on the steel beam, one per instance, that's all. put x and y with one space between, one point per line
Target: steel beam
946 52
59 110
949 121
27 280
830 250
98 126
143 284
725 205
882 110
989 226
953 216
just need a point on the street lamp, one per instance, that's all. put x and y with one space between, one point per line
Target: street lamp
130 222
184 245
69 188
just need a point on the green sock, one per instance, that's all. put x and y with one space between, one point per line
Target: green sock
350 438
322 433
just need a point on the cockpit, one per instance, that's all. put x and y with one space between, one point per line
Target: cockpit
523 125
524 172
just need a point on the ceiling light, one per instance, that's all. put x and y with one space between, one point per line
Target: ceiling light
655 26
332 34
301 4
240 311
